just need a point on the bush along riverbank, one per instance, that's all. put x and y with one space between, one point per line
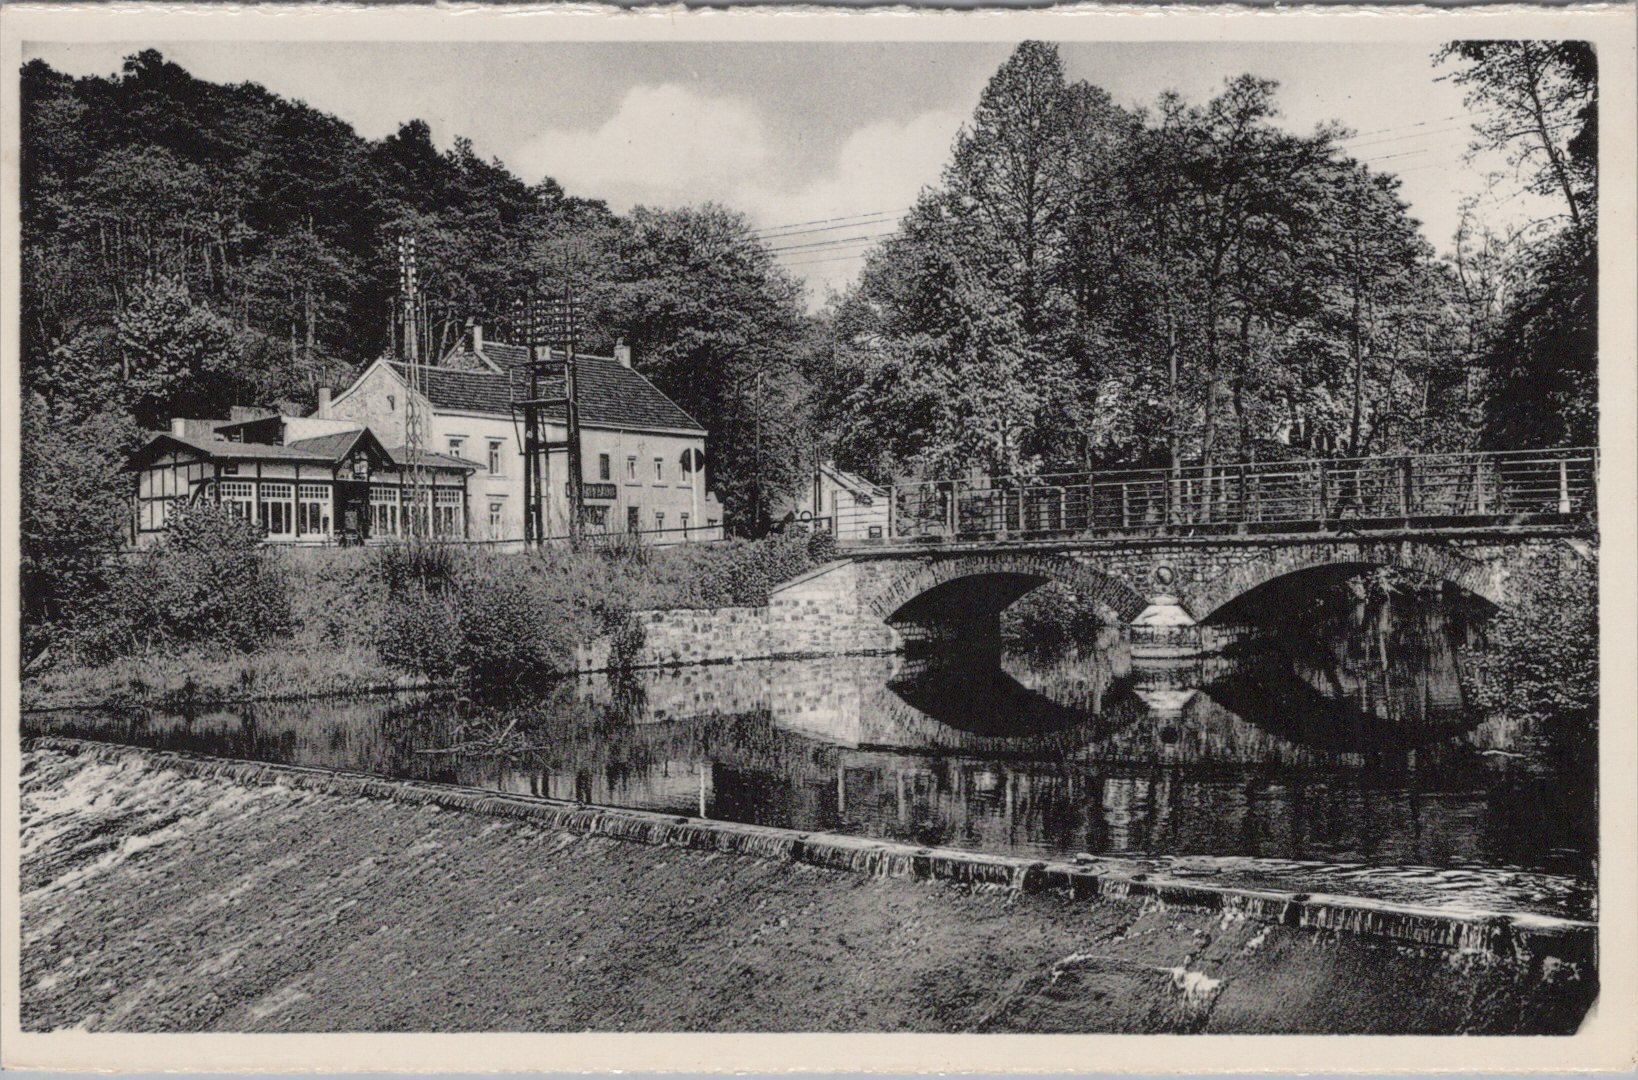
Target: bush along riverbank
211 614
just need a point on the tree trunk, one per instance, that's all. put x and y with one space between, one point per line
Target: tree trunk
1554 158
311 318
1356 347
1240 386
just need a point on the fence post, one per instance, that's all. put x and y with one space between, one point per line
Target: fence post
1324 494
892 510
1563 486
1407 485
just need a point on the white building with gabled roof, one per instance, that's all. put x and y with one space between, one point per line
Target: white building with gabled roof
641 453
844 504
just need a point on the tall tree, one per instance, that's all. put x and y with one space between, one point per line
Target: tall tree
1541 101
718 325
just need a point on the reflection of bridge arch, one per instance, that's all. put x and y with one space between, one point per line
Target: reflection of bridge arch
959 588
1484 578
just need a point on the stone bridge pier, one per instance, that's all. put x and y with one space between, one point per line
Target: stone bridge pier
1178 596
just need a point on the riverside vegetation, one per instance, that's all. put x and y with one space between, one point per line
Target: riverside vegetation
212 614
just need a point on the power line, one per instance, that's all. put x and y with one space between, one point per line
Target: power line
826 221
816 247
830 243
1412 130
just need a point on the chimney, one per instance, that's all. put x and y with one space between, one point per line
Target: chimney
622 354
477 336
324 403
179 427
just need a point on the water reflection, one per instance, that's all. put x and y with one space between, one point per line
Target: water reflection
1350 747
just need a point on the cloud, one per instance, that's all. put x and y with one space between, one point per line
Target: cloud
663 138
668 145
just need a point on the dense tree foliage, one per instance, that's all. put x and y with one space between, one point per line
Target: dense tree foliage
1541 354
1187 283
191 246
1195 284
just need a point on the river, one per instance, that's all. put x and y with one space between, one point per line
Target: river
1342 755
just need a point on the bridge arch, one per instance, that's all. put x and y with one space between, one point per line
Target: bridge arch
950 588
1485 578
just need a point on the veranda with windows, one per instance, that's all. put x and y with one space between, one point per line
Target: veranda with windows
333 490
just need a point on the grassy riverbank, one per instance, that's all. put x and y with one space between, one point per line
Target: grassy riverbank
158 901
212 616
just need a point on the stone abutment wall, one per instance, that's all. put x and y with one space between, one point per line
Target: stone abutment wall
818 614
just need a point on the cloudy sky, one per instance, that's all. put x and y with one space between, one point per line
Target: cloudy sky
801 132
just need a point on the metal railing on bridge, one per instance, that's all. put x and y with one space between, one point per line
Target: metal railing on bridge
1360 494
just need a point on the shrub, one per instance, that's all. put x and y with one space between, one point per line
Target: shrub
821 548
743 572
337 597
1541 660
488 618
415 563
209 582
1050 616
518 623
420 632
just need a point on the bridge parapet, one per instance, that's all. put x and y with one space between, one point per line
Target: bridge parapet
1552 487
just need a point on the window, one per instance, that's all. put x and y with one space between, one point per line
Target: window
239 498
457 444
595 516
494 457
383 511
659 468
604 470
634 521
392 402
278 509
413 512
710 523
631 468
684 523
447 512
659 521
497 511
313 511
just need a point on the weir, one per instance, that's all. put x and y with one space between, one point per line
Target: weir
1528 937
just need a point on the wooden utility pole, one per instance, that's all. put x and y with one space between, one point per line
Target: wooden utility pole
552 329
414 519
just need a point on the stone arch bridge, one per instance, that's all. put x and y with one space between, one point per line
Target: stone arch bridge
890 594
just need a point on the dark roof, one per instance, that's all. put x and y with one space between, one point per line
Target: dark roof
400 456
506 356
468 391
327 449
219 448
612 395
331 446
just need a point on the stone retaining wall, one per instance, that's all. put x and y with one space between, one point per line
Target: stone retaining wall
817 614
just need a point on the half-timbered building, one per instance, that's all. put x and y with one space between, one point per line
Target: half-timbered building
302 480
